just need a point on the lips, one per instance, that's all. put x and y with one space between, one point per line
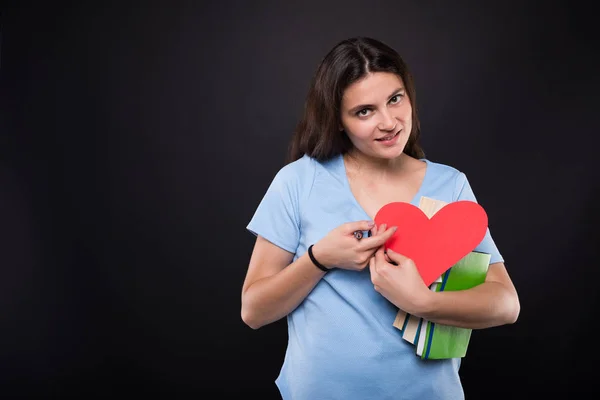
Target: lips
388 137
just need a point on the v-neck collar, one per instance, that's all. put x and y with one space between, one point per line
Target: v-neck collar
341 167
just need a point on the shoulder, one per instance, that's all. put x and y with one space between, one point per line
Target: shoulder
297 170
444 175
296 177
443 170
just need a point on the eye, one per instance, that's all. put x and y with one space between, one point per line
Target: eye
396 98
363 113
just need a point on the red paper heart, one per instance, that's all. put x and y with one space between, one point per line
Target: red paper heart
438 243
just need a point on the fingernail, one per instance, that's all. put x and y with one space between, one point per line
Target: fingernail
394 228
371 224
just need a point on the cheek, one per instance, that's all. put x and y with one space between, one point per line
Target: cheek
406 114
360 130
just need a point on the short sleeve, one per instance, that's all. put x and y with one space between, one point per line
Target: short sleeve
487 245
277 215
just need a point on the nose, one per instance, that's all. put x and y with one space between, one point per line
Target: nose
388 122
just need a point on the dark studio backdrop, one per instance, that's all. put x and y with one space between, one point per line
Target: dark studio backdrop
138 139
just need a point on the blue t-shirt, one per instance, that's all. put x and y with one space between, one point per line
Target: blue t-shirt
342 344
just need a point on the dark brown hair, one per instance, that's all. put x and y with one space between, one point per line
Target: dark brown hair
317 133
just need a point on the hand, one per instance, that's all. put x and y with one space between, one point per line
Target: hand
396 277
340 249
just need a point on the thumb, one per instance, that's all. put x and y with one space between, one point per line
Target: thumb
396 257
358 226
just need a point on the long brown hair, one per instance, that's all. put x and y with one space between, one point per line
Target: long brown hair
317 133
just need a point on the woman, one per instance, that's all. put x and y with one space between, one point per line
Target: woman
355 150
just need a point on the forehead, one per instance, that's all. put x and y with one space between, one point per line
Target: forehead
373 88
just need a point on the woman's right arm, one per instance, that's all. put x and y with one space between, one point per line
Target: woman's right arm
273 288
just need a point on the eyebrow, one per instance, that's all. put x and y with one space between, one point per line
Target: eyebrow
361 106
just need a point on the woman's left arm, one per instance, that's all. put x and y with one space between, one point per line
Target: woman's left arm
492 303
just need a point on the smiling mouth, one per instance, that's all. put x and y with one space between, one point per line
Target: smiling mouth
389 137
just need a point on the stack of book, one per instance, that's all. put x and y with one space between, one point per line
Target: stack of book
437 341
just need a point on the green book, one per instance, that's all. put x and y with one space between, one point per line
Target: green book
438 341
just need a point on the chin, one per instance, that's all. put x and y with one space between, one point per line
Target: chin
392 152
391 155
381 152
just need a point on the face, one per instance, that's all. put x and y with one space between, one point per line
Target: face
377 115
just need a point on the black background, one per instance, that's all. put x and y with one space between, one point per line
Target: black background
138 138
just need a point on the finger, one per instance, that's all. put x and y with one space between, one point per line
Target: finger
380 263
374 230
387 258
372 273
373 268
350 227
377 229
380 255
379 240
396 257
372 263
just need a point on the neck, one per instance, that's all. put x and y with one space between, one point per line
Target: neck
373 167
